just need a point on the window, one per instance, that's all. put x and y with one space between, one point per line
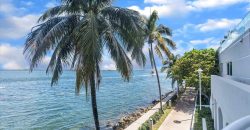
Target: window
229 68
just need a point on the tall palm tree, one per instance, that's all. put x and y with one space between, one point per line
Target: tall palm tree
168 66
77 31
159 40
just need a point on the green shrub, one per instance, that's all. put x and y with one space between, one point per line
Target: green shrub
155 118
203 113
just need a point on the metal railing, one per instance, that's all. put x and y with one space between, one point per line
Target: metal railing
240 124
193 116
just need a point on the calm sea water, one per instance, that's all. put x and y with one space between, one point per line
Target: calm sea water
27 101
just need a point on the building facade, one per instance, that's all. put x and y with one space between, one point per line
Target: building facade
230 92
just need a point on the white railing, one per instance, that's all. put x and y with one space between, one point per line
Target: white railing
193 116
241 124
204 124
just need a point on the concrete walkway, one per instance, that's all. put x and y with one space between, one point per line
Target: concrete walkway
135 125
180 117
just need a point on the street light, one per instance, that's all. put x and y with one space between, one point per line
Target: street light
200 71
184 83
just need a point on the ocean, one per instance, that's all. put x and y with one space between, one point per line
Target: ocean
27 101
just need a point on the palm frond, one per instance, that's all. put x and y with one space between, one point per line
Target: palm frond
52 12
164 30
90 50
170 42
158 52
129 32
164 48
118 54
151 24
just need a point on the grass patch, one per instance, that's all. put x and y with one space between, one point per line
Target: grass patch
156 117
163 117
159 117
203 113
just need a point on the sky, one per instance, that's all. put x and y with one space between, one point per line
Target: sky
196 24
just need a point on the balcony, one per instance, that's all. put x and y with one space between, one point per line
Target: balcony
230 101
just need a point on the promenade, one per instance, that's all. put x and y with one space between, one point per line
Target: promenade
135 125
180 117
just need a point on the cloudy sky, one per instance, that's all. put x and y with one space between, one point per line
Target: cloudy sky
196 23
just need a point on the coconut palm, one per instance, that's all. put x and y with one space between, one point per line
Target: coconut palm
77 32
159 40
168 65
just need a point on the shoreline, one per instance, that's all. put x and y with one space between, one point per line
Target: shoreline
128 119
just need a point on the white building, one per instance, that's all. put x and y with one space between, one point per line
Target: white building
230 92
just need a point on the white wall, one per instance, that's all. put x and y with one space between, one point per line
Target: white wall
231 97
239 54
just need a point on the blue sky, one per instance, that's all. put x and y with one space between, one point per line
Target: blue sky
195 23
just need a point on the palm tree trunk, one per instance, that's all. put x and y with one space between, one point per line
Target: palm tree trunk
93 101
156 72
151 60
172 84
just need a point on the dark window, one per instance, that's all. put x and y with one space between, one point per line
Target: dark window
229 68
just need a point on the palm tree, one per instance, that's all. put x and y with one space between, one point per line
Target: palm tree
77 31
168 66
160 35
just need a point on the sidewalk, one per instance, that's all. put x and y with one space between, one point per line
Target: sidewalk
180 118
135 125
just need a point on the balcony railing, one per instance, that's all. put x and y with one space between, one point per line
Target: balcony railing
237 32
241 124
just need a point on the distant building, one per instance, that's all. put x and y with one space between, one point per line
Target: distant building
230 92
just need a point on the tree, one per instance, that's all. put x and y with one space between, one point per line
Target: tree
186 68
160 35
77 31
168 66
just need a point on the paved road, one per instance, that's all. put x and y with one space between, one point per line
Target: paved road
180 117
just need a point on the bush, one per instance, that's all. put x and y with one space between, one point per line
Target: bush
186 68
155 118
203 113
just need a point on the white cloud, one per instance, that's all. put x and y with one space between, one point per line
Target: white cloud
51 4
207 42
215 46
28 3
12 66
46 60
14 24
156 1
11 57
215 24
14 27
172 8
201 4
248 7
110 66
210 25
182 47
204 41
177 8
6 7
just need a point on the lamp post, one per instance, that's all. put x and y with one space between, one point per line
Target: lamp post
200 71
184 83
